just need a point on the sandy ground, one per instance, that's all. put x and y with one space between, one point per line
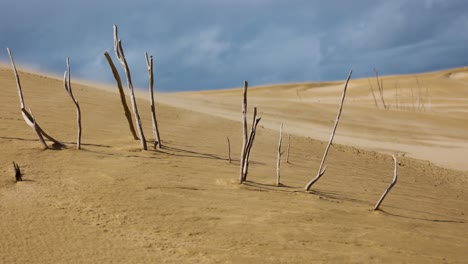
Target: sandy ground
113 203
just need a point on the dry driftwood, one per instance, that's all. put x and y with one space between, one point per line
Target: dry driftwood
229 149
289 146
149 64
394 181
18 175
250 141
121 56
322 171
278 160
128 115
247 142
68 88
244 132
28 117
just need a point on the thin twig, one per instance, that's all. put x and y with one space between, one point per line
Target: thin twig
229 149
278 160
322 171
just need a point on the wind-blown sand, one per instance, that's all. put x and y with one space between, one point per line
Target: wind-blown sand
112 202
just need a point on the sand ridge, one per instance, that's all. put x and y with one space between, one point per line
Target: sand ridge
112 202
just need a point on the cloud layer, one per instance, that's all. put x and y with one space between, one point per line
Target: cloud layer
209 44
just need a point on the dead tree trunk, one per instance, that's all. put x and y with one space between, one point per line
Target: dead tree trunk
289 146
229 149
244 132
157 139
29 117
121 56
322 171
278 161
394 181
68 88
128 115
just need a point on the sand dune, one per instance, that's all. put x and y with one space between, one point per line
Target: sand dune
112 202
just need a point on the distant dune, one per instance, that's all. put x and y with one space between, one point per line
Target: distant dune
112 202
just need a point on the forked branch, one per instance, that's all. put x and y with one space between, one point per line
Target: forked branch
394 181
121 56
322 168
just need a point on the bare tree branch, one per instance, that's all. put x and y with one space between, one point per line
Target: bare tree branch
121 56
229 149
28 118
322 171
278 160
128 115
381 88
68 88
394 181
244 132
149 64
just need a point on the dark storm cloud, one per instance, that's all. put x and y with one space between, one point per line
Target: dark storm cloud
209 44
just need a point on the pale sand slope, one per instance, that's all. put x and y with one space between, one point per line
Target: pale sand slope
427 116
112 203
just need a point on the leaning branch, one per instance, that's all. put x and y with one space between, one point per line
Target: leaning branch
121 56
394 181
322 169
28 117
128 115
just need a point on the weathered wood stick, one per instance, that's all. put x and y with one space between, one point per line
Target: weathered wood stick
249 147
34 126
229 149
278 161
394 181
249 144
322 171
68 88
121 56
244 132
289 146
149 64
128 115
28 118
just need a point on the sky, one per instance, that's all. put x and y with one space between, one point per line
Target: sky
214 44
